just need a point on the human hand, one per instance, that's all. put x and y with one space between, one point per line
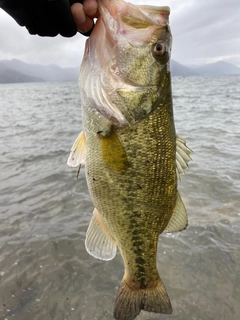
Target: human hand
83 14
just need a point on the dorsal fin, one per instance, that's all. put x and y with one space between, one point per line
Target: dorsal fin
182 156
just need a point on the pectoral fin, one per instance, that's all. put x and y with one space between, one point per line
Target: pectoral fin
78 151
99 242
182 156
113 152
179 219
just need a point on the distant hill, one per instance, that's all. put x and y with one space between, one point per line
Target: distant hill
178 69
217 68
12 76
50 73
12 71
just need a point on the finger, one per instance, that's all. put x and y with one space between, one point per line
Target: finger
83 22
91 8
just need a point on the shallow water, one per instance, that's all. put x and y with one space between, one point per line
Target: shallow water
45 272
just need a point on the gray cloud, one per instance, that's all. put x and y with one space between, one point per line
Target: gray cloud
17 43
207 31
203 31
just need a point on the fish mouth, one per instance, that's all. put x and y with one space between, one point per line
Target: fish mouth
136 16
123 19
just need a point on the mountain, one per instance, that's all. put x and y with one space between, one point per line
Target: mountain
178 69
50 73
217 68
12 76
17 71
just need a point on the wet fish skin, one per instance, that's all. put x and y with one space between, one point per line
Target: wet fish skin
130 148
136 206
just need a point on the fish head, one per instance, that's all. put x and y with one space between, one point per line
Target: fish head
125 70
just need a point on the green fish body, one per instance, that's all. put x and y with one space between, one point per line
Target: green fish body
132 155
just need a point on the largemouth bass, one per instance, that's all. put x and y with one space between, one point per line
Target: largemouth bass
132 155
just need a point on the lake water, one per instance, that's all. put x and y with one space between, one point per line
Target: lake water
45 272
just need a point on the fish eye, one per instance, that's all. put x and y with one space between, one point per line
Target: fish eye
160 52
159 49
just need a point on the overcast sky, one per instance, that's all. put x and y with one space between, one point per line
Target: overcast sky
204 31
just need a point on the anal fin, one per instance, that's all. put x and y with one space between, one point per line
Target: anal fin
179 219
99 242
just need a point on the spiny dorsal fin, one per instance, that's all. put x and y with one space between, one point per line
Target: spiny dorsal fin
182 156
99 242
78 151
179 219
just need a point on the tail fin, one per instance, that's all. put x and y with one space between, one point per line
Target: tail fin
130 302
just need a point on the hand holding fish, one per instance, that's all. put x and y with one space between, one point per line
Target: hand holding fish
50 18
83 15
